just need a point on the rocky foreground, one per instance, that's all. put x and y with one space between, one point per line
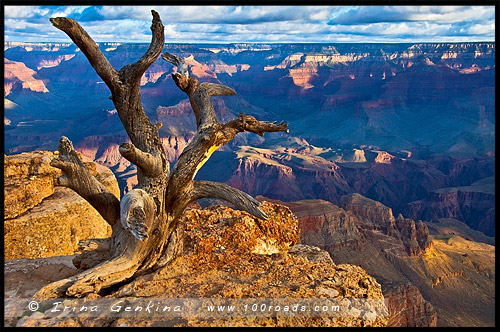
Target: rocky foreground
228 255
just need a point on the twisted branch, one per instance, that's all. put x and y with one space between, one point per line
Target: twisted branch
134 71
150 165
89 47
77 177
209 137
242 201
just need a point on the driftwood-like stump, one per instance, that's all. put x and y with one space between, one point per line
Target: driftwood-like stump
146 230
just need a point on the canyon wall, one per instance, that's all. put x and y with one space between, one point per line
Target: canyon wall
410 127
395 122
423 268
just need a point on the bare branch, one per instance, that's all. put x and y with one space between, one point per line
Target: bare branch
212 89
211 134
185 83
202 99
199 97
251 124
191 159
77 177
103 275
242 201
133 72
53 290
177 61
108 273
149 164
208 139
89 47
94 244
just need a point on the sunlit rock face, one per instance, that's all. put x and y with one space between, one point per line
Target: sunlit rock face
409 308
228 255
427 271
18 73
45 220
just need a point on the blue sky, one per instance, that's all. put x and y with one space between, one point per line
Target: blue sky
256 24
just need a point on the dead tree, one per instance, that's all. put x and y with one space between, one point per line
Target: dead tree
146 221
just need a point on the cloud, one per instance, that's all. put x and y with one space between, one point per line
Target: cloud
213 14
89 14
442 14
416 23
230 24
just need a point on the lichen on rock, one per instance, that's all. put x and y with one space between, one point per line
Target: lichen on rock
225 260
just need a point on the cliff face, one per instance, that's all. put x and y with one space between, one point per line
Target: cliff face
354 228
427 190
418 117
334 228
232 256
476 209
262 171
28 179
18 73
408 307
423 268
383 83
42 220
415 235
375 216
325 225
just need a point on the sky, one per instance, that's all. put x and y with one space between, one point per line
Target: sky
258 24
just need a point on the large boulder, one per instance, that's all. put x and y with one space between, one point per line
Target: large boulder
42 219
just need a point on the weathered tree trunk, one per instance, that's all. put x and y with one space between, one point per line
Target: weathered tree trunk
146 230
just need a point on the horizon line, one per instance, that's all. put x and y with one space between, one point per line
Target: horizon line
262 43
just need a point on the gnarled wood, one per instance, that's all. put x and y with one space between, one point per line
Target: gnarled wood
108 273
177 61
210 135
149 234
132 73
242 201
149 164
137 212
89 47
77 177
251 124
201 97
